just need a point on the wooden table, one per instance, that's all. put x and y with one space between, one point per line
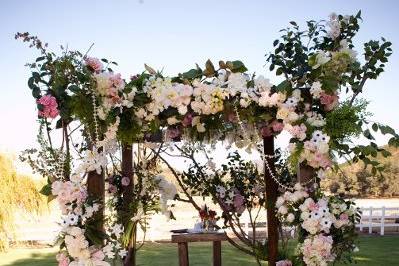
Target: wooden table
183 239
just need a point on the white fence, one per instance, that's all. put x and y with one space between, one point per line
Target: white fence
379 219
373 219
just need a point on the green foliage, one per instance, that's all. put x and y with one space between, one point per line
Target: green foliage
345 121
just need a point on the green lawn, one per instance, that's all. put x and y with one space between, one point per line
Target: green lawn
374 251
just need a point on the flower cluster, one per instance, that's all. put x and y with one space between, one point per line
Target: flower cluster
317 250
321 219
231 199
207 214
113 247
48 106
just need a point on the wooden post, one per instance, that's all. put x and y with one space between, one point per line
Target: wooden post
271 198
217 253
183 253
127 171
96 190
305 175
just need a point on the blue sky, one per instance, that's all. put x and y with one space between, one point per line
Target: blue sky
172 35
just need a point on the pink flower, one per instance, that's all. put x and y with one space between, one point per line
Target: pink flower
329 101
173 133
62 259
320 160
239 203
125 181
277 126
298 131
98 255
266 131
188 118
313 206
112 189
344 217
116 80
284 263
49 106
94 63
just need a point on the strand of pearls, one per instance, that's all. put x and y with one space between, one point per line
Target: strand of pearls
95 114
265 157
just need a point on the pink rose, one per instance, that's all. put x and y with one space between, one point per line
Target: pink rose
62 259
112 189
188 118
116 80
344 217
125 181
266 131
313 206
49 106
94 63
277 126
98 255
284 263
329 101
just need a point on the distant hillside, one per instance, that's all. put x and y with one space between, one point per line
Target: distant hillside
355 181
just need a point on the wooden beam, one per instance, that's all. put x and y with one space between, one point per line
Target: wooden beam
271 198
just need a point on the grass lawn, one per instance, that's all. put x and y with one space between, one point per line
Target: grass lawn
374 251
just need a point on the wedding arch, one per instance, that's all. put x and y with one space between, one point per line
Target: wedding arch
112 132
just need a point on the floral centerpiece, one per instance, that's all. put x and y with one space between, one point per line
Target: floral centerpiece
208 218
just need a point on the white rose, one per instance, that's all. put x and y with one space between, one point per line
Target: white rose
172 120
290 217
282 210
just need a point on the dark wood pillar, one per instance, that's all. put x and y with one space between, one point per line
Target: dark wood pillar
127 171
306 175
271 198
217 253
183 253
96 190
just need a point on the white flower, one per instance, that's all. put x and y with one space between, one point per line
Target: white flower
221 191
326 224
117 230
321 59
334 26
316 89
72 219
237 82
315 119
122 253
290 217
282 209
182 109
172 120
280 201
345 49
263 84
